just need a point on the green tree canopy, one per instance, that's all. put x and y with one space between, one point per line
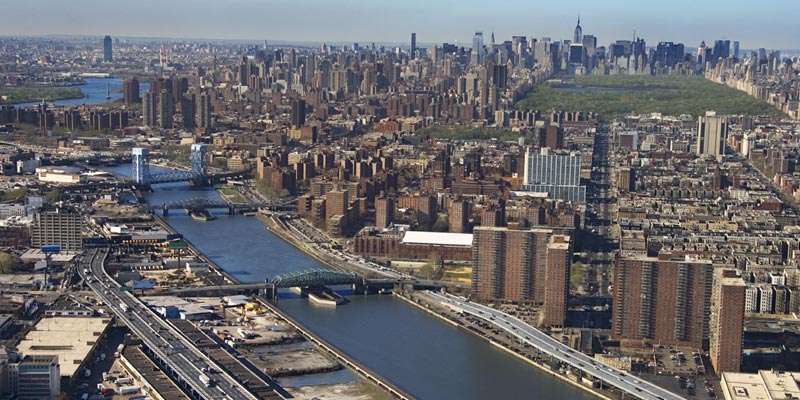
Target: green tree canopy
8 262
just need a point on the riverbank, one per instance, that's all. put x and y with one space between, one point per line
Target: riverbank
373 379
20 95
428 307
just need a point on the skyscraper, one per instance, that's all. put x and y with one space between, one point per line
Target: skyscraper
578 37
736 49
477 47
712 133
722 49
188 107
149 112
203 113
298 113
727 321
661 300
166 109
107 56
413 45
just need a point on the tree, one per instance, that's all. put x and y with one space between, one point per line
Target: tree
441 224
15 194
53 196
8 261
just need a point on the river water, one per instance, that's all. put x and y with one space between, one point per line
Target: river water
428 358
94 91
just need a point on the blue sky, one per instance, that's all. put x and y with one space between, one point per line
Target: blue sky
766 23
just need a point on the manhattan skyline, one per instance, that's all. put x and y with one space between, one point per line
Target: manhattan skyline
770 26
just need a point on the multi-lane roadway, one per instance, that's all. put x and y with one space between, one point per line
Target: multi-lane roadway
185 363
627 383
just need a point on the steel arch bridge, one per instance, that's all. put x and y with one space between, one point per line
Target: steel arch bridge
201 203
315 277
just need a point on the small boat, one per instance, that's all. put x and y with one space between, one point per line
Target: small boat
201 215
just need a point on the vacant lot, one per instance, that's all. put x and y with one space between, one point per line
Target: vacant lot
623 94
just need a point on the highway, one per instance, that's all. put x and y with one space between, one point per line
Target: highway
183 358
622 380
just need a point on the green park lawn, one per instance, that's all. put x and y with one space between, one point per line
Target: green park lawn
613 95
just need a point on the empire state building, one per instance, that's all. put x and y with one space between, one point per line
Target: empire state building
578 32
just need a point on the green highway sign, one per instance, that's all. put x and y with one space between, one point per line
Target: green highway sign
178 245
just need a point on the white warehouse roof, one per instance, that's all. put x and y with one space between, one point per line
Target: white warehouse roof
438 238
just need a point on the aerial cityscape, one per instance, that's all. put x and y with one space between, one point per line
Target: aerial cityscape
333 201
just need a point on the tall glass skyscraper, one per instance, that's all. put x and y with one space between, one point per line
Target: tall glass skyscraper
107 56
477 47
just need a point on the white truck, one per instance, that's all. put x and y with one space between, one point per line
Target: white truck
206 380
123 381
123 307
129 389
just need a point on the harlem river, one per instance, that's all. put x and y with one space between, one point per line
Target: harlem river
428 358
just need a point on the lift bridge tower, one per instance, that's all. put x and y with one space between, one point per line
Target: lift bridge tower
199 165
141 165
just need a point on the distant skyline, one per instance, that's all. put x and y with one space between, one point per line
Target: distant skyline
770 24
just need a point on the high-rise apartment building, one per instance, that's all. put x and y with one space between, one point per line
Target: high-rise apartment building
557 174
203 113
712 134
524 266
336 202
166 109
551 136
384 211
727 321
426 210
57 226
149 109
659 300
298 113
107 54
188 107
556 294
130 91
459 212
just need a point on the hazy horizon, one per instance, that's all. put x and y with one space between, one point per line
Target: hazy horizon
365 21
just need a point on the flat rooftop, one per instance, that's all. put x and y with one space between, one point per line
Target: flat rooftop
438 238
37 255
70 338
765 385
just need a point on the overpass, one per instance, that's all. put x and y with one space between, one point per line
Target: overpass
175 353
586 365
